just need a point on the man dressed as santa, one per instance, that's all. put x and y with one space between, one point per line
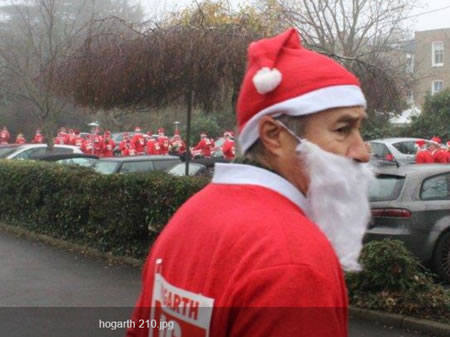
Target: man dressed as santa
228 148
261 250
4 135
423 156
38 137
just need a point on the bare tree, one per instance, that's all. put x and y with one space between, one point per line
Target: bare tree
37 33
365 35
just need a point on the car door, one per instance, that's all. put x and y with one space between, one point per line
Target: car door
431 214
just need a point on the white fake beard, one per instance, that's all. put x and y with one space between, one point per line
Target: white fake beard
338 200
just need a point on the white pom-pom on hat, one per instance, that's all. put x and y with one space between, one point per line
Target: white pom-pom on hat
267 80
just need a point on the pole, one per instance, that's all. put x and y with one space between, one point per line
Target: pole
188 131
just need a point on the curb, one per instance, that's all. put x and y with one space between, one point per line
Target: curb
394 320
93 252
402 322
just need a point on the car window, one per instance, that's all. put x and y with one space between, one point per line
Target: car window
386 187
180 169
379 150
27 154
407 147
7 150
436 188
86 162
137 166
106 167
161 165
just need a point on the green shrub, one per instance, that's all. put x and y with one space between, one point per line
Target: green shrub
111 213
393 280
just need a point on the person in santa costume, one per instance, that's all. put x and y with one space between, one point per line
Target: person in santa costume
153 147
261 250
228 148
4 135
78 139
20 139
423 156
60 138
38 137
87 146
70 138
177 146
438 154
138 141
205 145
107 146
163 141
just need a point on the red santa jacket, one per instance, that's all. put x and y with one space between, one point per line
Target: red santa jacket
205 146
228 149
164 144
4 137
177 147
20 140
260 269
424 157
86 146
138 142
153 147
38 139
78 140
439 156
70 139
108 146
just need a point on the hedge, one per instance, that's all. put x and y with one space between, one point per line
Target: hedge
393 280
117 213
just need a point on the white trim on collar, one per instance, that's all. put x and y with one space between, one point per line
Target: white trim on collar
241 174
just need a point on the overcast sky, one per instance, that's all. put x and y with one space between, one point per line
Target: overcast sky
439 16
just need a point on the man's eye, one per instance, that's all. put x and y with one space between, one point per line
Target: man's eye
344 130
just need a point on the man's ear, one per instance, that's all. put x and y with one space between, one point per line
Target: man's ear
270 135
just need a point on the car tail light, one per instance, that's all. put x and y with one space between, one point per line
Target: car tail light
391 212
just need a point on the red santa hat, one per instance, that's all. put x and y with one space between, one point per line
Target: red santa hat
436 140
160 130
137 129
203 134
420 143
284 78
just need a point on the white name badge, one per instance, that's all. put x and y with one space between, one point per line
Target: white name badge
186 313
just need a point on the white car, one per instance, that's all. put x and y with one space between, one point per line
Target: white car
26 151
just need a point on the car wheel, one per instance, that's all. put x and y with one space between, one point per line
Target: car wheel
441 258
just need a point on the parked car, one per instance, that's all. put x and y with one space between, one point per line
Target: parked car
81 159
26 151
401 150
197 167
135 164
412 204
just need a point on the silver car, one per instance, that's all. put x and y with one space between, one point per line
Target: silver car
402 150
27 151
412 204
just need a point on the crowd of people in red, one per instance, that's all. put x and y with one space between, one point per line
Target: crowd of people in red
434 152
137 144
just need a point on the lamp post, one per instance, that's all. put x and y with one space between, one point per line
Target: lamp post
93 126
176 125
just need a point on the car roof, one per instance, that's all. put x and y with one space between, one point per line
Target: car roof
58 156
414 169
394 140
140 158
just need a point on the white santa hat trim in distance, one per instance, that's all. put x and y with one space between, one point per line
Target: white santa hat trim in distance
322 99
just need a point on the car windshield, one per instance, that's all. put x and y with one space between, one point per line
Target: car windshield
386 187
7 150
106 167
180 169
86 162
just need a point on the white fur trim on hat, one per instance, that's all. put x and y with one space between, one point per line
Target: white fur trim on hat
314 101
267 80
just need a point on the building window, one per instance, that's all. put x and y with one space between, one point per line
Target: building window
437 87
437 49
410 97
409 63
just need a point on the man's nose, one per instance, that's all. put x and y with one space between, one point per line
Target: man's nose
358 150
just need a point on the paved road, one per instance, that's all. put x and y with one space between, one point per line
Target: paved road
49 292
